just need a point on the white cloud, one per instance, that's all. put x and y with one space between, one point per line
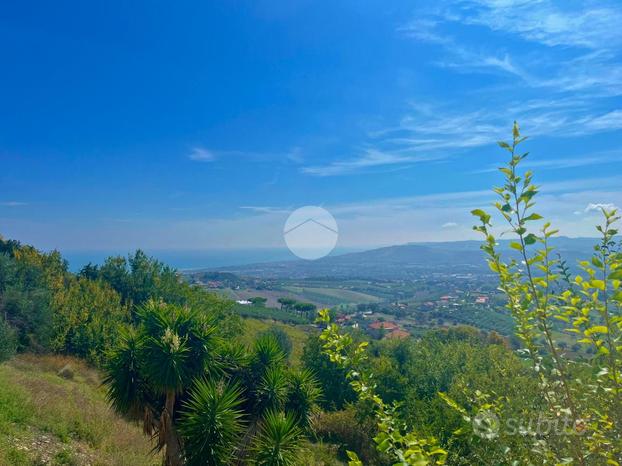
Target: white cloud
592 207
200 154
449 225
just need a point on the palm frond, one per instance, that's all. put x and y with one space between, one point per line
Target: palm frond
127 390
278 442
266 353
304 393
211 423
271 392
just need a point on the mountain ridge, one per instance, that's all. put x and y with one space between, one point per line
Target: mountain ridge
402 261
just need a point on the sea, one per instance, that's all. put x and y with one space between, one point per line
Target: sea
187 260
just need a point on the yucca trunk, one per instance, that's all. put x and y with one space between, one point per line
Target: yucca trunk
168 437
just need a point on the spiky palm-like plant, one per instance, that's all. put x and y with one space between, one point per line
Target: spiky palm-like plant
266 353
231 400
303 394
211 423
272 390
128 391
157 362
278 441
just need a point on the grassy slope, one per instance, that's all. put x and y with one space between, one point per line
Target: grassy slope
45 419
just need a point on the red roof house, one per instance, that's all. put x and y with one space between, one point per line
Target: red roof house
383 325
398 334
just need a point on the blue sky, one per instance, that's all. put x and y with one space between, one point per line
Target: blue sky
199 125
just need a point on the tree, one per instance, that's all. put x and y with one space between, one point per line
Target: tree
8 340
304 308
258 301
157 364
26 301
286 303
88 319
187 387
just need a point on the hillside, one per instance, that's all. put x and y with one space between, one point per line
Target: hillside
51 420
402 261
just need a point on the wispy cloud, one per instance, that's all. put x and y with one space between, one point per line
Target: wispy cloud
265 209
435 132
574 45
200 154
13 204
369 159
565 162
576 24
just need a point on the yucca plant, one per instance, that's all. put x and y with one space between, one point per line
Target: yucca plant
154 365
272 390
211 423
204 401
278 441
304 393
128 392
266 353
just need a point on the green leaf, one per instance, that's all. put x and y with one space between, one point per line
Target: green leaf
483 216
597 329
598 284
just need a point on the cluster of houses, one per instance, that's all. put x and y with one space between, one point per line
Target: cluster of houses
377 326
386 329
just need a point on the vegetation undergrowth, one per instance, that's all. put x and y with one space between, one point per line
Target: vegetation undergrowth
578 397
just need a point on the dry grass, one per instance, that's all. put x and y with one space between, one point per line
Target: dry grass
47 419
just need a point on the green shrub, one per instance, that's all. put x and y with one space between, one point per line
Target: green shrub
8 340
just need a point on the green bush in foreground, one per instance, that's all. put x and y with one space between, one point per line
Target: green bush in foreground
545 300
579 394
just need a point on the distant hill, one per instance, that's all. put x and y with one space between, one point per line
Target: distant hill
404 261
